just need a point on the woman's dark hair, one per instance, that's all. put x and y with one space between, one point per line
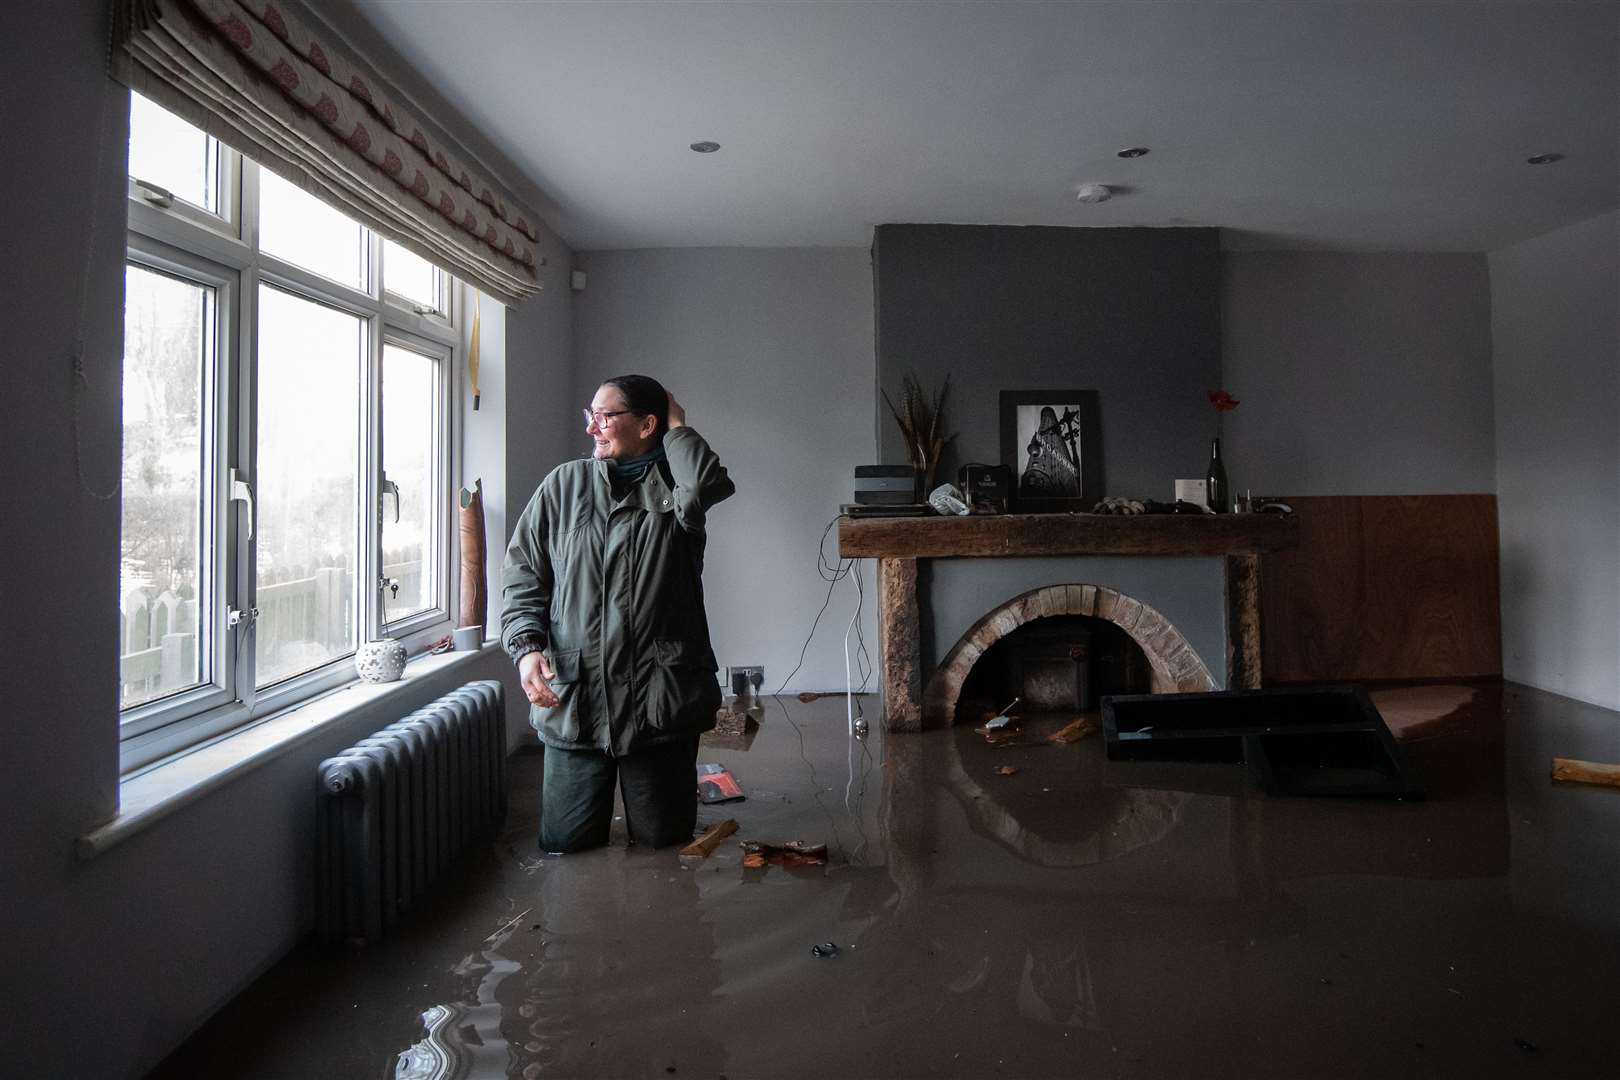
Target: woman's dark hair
644 396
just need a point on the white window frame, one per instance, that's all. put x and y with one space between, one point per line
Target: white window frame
222 252
413 627
441 313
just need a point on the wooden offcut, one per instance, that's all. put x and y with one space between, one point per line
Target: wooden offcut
1586 772
704 846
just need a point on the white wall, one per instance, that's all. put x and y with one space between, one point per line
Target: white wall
1358 374
771 353
1555 303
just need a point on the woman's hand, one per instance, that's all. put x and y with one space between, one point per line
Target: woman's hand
677 415
534 671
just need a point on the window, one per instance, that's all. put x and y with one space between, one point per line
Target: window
414 281
288 377
170 346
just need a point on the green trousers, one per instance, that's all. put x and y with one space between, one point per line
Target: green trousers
659 786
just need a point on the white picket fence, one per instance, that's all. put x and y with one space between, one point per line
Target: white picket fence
300 613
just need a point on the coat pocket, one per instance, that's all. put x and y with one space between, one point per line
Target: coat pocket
681 691
562 722
565 662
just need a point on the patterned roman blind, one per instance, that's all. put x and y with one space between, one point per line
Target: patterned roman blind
273 84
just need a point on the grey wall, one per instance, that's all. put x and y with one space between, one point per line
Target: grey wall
1358 374
151 937
770 352
1555 303
1131 313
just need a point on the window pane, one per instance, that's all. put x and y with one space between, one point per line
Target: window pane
296 226
410 548
167 151
168 343
309 372
407 274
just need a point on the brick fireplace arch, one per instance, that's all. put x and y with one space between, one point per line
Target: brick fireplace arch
1175 664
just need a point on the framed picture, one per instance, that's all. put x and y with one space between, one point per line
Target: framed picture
1052 442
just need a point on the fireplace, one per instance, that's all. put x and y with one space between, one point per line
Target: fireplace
975 552
1127 646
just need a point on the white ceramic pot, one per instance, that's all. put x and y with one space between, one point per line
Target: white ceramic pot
380 661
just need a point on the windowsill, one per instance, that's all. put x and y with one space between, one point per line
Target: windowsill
150 795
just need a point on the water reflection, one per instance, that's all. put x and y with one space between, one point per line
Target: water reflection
467 1040
621 968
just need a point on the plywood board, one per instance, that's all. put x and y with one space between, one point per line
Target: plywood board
1384 587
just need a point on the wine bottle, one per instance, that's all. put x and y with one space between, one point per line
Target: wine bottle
1220 499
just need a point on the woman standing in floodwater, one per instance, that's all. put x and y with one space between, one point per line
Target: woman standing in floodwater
603 615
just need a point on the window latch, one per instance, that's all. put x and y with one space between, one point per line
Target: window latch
155 194
389 583
242 618
391 488
241 492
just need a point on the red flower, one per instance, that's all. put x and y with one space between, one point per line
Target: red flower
1223 401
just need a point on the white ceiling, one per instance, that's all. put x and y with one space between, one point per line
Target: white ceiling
1361 126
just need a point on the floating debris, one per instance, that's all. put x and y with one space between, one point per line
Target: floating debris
704 846
792 853
1008 770
824 951
808 696
715 784
1074 731
1586 772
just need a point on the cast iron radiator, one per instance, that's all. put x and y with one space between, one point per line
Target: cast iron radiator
397 806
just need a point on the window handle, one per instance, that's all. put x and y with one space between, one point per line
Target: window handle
241 492
155 194
391 488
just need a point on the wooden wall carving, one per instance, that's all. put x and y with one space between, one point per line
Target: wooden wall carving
1384 587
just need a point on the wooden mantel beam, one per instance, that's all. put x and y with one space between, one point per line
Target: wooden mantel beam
1019 535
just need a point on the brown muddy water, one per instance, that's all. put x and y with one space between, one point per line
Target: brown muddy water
1076 918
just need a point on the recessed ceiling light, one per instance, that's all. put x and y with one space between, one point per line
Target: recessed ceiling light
705 147
1543 159
1133 152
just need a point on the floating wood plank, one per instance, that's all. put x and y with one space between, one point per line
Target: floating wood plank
1586 772
1019 535
704 846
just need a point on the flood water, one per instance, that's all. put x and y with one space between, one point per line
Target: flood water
1028 910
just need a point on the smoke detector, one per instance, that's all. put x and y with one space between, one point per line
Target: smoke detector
1093 193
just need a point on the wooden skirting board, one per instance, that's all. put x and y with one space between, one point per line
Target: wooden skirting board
1384 587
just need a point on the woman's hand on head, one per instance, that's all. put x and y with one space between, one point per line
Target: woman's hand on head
677 415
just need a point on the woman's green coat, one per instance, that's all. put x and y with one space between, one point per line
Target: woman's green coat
612 590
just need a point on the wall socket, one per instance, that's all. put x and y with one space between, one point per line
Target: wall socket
746 680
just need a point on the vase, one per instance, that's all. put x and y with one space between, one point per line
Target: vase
474 594
380 661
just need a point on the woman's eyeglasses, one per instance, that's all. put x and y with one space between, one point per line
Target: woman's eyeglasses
601 416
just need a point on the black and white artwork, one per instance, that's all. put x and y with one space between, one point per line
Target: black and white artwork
1049 451
1049 439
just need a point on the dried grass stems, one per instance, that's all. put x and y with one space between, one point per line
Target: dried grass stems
922 422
